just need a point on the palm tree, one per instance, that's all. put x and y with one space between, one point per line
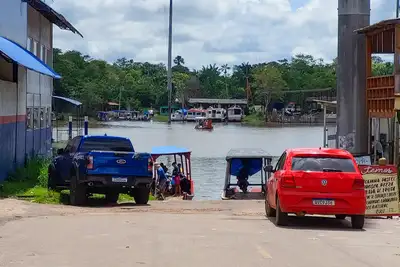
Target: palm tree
179 60
225 69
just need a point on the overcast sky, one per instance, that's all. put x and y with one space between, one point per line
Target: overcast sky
206 31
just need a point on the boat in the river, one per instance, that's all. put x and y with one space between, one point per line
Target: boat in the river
216 114
193 113
235 114
182 156
250 161
202 123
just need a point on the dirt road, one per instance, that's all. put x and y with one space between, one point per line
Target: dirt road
190 234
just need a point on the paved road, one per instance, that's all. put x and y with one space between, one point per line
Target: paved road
192 235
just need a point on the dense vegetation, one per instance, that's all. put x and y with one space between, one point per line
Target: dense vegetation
142 84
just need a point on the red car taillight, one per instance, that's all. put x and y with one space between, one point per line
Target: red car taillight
89 162
288 181
358 184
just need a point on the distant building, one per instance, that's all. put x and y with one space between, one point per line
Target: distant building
26 79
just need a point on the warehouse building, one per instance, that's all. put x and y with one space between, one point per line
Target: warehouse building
26 79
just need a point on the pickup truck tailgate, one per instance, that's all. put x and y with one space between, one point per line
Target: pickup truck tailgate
120 163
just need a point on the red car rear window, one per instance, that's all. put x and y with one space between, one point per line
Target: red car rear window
322 164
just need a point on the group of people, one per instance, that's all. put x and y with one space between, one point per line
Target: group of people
175 184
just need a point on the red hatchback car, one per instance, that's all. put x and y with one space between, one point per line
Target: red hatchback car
316 181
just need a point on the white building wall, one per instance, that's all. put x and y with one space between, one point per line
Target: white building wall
40 43
13 20
13 25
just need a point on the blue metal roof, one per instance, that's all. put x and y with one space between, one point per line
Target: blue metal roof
12 51
69 100
169 150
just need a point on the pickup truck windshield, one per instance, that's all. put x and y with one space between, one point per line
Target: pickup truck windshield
322 164
106 144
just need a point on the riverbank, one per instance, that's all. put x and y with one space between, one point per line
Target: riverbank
256 120
30 183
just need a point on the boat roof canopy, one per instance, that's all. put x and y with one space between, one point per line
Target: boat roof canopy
169 150
248 153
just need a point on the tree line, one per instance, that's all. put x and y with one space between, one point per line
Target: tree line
139 85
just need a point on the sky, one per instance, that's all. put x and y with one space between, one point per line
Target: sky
205 31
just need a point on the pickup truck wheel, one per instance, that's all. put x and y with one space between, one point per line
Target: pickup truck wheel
357 221
77 194
112 197
141 195
269 211
281 217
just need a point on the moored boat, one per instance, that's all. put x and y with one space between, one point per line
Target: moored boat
235 114
216 114
193 113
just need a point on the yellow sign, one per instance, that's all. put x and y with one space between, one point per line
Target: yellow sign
382 190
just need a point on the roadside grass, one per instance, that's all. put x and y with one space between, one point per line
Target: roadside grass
160 118
30 183
256 120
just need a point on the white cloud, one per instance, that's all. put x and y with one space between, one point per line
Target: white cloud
205 31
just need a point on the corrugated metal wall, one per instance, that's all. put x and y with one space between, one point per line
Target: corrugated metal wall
25 107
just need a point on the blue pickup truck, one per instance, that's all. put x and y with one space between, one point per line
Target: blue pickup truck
105 165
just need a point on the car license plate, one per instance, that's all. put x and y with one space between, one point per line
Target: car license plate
119 179
323 202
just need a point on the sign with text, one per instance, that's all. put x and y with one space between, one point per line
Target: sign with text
382 190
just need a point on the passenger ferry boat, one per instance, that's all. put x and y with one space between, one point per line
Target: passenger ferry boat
216 114
194 113
235 113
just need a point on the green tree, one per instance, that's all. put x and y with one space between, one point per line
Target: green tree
269 84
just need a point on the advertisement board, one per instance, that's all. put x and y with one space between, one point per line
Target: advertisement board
382 190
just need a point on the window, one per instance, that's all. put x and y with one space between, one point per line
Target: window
43 54
106 144
68 147
237 111
42 116
321 163
49 57
281 162
29 45
48 117
77 141
36 119
29 119
35 48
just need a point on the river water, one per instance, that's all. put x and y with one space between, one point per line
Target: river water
210 148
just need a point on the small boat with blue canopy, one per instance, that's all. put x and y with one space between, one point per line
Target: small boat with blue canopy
253 161
180 155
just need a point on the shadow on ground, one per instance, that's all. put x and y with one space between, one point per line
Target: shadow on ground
320 223
99 202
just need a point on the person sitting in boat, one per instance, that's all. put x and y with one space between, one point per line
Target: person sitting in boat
201 123
185 186
243 176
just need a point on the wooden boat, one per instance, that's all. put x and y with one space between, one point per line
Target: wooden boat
203 123
181 155
256 161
